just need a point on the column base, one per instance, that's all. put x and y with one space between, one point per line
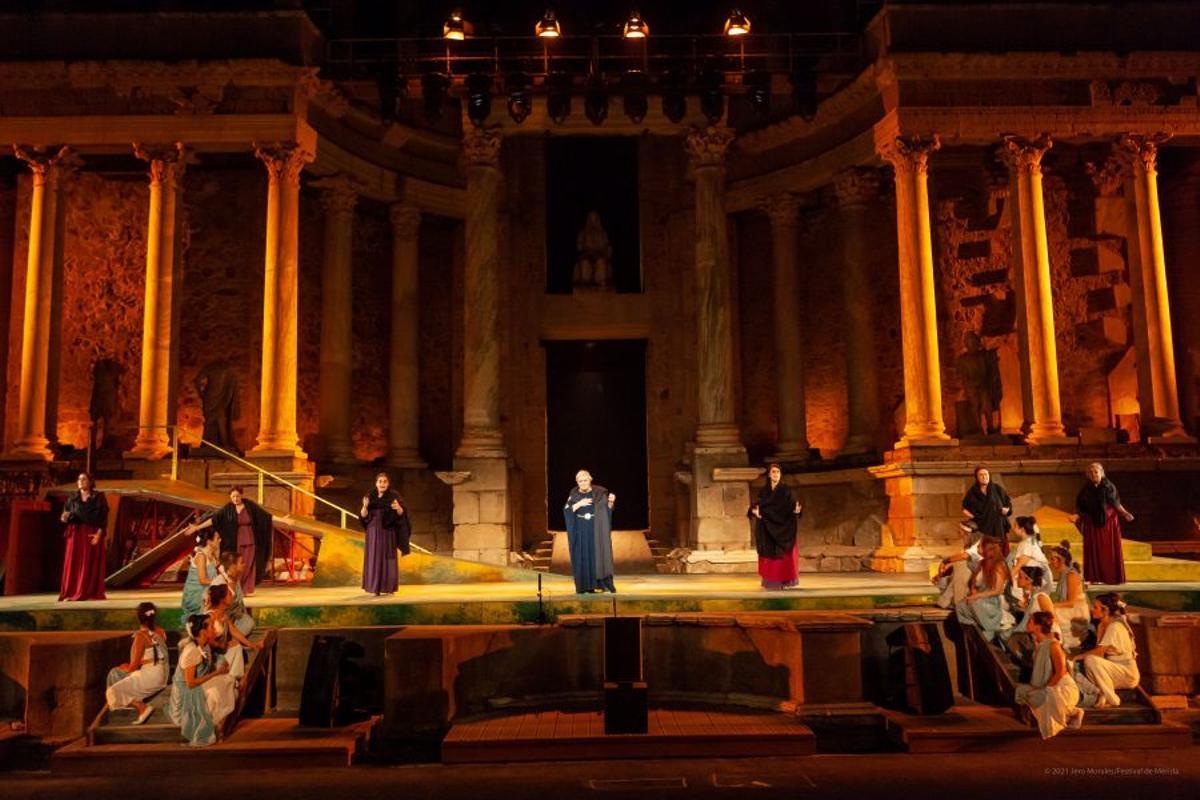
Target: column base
718 434
858 444
148 452
925 441
33 449
1165 431
1051 441
406 459
1171 438
274 451
481 444
790 453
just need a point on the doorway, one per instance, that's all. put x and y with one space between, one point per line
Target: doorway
596 420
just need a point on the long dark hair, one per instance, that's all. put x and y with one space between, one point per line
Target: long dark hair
1043 621
1035 575
1113 603
195 625
205 535
217 594
146 613
1063 551
1029 525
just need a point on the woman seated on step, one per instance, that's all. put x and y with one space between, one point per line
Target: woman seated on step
1032 580
1027 551
1051 694
985 606
953 578
1111 664
202 569
230 574
202 693
1070 600
145 674
226 642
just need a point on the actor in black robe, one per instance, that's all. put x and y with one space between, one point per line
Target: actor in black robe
777 512
589 535
225 520
989 507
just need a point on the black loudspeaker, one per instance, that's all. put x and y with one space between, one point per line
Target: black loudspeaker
919 676
622 649
626 708
320 697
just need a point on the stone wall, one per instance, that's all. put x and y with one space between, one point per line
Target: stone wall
372 331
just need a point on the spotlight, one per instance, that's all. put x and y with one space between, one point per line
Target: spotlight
558 96
758 93
595 102
548 27
712 97
433 90
456 28
674 96
633 95
738 24
804 91
636 27
520 104
479 97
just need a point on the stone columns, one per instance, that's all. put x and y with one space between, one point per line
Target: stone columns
277 416
160 314
717 424
404 414
857 189
42 268
1158 395
918 317
792 441
482 501
338 199
1034 297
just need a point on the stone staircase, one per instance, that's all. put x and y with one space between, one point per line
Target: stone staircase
540 558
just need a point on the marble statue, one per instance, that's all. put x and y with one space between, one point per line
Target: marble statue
593 265
979 371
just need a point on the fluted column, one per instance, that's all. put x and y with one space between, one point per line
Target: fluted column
1035 298
404 420
160 313
338 199
1157 390
924 423
717 426
792 441
857 189
43 264
481 343
281 273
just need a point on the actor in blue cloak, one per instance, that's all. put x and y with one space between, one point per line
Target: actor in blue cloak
588 512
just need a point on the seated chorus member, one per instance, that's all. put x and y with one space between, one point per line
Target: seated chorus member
1032 581
953 578
202 569
1111 664
145 674
230 574
202 693
1051 694
226 641
1070 601
985 606
1028 550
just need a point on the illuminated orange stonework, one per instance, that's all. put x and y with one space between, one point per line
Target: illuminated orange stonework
160 321
277 416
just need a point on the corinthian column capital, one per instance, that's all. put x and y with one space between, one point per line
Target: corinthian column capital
707 147
481 146
1142 150
40 160
339 194
406 220
910 154
782 209
856 186
1025 155
283 160
165 162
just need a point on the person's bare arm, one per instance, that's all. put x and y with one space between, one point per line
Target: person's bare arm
1059 660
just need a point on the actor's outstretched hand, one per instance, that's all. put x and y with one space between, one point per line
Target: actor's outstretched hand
399 509
612 498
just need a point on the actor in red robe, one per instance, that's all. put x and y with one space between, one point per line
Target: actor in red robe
84 564
1097 508
776 512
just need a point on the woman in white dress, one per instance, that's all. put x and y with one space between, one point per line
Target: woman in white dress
145 674
1070 600
203 693
1027 550
226 641
1031 579
1051 694
985 606
1112 663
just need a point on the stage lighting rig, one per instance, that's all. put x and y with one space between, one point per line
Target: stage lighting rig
712 95
558 96
673 87
479 97
520 102
633 95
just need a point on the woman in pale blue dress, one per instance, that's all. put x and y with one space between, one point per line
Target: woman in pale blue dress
202 693
202 568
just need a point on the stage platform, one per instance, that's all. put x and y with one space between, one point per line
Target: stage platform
517 602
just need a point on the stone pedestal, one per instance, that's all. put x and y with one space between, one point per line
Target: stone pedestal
483 512
720 498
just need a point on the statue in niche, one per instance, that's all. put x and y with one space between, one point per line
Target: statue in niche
593 264
217 385
104 407
979 370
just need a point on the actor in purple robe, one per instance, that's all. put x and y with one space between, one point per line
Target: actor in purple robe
86 517
384 517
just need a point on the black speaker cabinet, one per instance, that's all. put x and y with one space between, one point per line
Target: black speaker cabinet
622 649
626 708
319 699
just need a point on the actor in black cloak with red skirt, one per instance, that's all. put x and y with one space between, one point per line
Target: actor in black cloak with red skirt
777 512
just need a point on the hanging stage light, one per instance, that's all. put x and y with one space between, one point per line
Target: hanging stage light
738 24
804 91
520 103
548 27
558 96
479 97
433 90
595 102
635 27
758 93
674 95
633 95
455 28
712 96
